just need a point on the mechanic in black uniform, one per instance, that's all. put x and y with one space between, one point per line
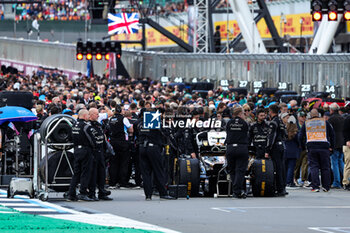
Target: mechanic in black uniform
258 134
275 148
171 148
98 174
237 151
84 144
134 154
119 163
184 135
151 143
196 115
184 138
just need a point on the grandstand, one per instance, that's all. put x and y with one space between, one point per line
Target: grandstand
77 9
64 21
68 21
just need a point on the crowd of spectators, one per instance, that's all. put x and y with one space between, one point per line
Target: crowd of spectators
51 10
77 9
166 10
55 93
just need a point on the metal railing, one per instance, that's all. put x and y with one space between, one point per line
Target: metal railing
48 54
318 70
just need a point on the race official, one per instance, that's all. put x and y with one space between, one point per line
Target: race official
275 148
98 174
318 135
116 130
151 143
237 151
84 143
258 134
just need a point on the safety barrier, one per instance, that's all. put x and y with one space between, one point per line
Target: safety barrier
318 71
47 54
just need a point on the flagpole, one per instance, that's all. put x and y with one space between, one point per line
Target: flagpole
143 40
92 70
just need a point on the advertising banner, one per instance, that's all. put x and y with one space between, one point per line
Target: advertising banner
289 27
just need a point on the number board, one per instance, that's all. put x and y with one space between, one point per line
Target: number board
178 80
305 89
257 85
283 86
224 84
333 90
243 84
164 80
196 80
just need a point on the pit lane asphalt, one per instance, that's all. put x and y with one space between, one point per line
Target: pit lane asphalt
300 211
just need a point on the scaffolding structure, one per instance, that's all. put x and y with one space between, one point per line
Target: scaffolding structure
201 26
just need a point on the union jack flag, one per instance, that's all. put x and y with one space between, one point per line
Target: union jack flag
123 23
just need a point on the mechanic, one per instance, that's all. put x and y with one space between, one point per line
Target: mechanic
134 153
151 143
184 138
237 151
184 135
258 134
318 135
275 148
172 151
84 143
98 174
119 163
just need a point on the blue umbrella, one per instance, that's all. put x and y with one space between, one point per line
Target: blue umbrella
16 114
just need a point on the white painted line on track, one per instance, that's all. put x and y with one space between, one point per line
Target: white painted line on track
34 210
243 208
16 196
8 212
318 229
10 205
10 199
331 229
26 201
293 207
102 219
111 221
219 209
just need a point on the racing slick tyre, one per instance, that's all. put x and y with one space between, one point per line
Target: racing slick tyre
189 175
64 173
262 173
62 130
